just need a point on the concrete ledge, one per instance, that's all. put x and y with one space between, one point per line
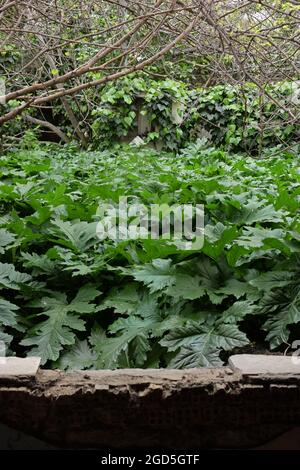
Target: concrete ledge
258 364
195 408
14 366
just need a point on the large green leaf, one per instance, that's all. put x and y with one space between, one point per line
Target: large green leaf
8 316
77 235
283 308
153 290
192 356
186 287
272 280
237 312
6 238
123 300
109 350
225 336
256 211
79 357
10 278
158 275
51 335
130 335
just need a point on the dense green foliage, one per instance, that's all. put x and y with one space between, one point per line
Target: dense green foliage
80 303
238 118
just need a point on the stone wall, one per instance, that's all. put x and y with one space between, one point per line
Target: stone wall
195 408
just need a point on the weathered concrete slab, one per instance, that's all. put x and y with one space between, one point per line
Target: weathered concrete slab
15 366
195 408
259 364
200 408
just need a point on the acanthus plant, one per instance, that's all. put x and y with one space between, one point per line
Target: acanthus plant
83 303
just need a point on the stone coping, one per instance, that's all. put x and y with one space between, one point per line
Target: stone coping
246 404
248 365
17 367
